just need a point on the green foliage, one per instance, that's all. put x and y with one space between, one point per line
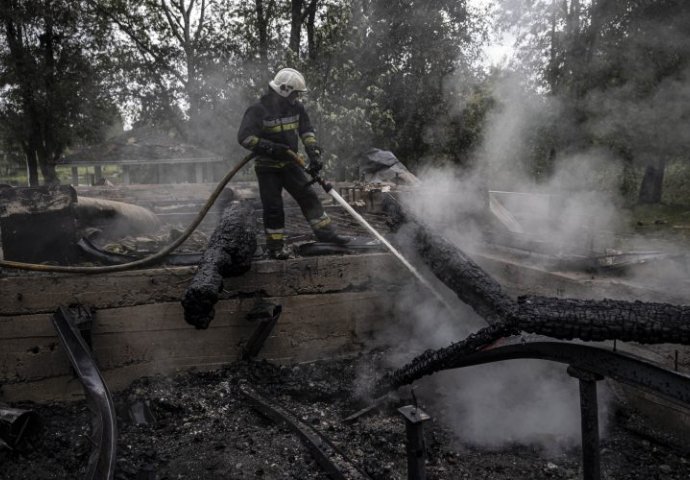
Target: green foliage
621 72
53 91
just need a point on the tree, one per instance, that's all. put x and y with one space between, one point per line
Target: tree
170 54
616 66
380 75
53 88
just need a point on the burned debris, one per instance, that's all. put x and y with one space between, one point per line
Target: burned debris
228 258
38 224
229 253
19 428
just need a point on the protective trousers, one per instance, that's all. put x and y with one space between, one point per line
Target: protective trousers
272 180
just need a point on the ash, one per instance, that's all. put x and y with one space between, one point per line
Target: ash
202 428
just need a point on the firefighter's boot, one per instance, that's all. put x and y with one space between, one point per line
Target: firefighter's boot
327 234
275 245
281 252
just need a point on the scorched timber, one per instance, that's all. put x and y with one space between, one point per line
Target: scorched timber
640 322
469 282
432 361
229 253
564 319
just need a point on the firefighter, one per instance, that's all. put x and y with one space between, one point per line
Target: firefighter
271 129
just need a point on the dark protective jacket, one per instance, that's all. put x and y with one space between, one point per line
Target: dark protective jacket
273 118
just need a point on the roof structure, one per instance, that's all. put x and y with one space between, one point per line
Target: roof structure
142 145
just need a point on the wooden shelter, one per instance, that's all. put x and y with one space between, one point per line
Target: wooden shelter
147 155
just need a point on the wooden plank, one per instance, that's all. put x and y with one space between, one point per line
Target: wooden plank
36 293
155 336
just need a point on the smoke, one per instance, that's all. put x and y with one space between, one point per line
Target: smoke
559 177
533 402
523 401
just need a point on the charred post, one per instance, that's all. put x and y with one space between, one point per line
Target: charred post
416 446
229 253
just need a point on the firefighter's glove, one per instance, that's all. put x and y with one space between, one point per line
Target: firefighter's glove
315 163
277 151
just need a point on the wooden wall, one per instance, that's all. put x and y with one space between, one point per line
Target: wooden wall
330 306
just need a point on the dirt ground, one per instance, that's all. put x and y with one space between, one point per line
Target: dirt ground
204 429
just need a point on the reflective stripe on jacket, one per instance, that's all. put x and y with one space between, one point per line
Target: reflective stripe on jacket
274 118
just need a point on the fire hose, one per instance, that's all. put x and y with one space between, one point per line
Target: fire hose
142 262
151 259
316 178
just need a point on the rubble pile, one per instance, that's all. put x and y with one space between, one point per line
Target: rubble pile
197 425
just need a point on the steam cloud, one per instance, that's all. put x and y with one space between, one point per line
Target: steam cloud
531 402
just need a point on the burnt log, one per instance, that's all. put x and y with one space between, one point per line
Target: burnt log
229 253
432 361
566 319
463 276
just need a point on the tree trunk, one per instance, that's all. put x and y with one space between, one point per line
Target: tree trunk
296 25
31 167
311 29
48 171
262 29
652 182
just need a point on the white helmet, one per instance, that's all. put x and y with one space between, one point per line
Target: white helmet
286 81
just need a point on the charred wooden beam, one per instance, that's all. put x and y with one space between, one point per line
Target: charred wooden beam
452 266
463 276
265 315
564 319
432 361
229 253
568 318
623 368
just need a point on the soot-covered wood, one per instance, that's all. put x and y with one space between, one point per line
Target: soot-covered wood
563 319
229 253
568 318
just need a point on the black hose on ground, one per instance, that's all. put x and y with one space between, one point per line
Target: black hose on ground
143 262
